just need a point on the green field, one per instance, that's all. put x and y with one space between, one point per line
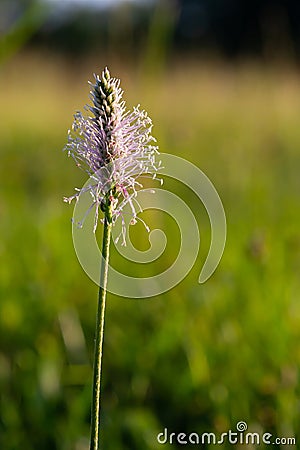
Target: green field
199 358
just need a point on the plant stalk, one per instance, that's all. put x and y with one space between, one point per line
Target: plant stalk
99 334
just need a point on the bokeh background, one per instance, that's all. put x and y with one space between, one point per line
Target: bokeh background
221 81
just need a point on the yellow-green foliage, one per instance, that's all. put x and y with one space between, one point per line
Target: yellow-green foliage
198 358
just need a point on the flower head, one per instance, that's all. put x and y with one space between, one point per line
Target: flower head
114 146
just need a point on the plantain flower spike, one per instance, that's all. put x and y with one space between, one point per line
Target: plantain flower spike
115 147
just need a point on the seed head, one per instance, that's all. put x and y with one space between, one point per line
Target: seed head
114 146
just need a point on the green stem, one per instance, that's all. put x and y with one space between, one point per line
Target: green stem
95 419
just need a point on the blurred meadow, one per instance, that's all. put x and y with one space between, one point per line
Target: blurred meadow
199 358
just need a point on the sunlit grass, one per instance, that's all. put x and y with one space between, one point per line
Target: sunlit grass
199 358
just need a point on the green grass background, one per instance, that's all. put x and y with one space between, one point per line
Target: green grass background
199 358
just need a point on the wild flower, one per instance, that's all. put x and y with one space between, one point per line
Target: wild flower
115 147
